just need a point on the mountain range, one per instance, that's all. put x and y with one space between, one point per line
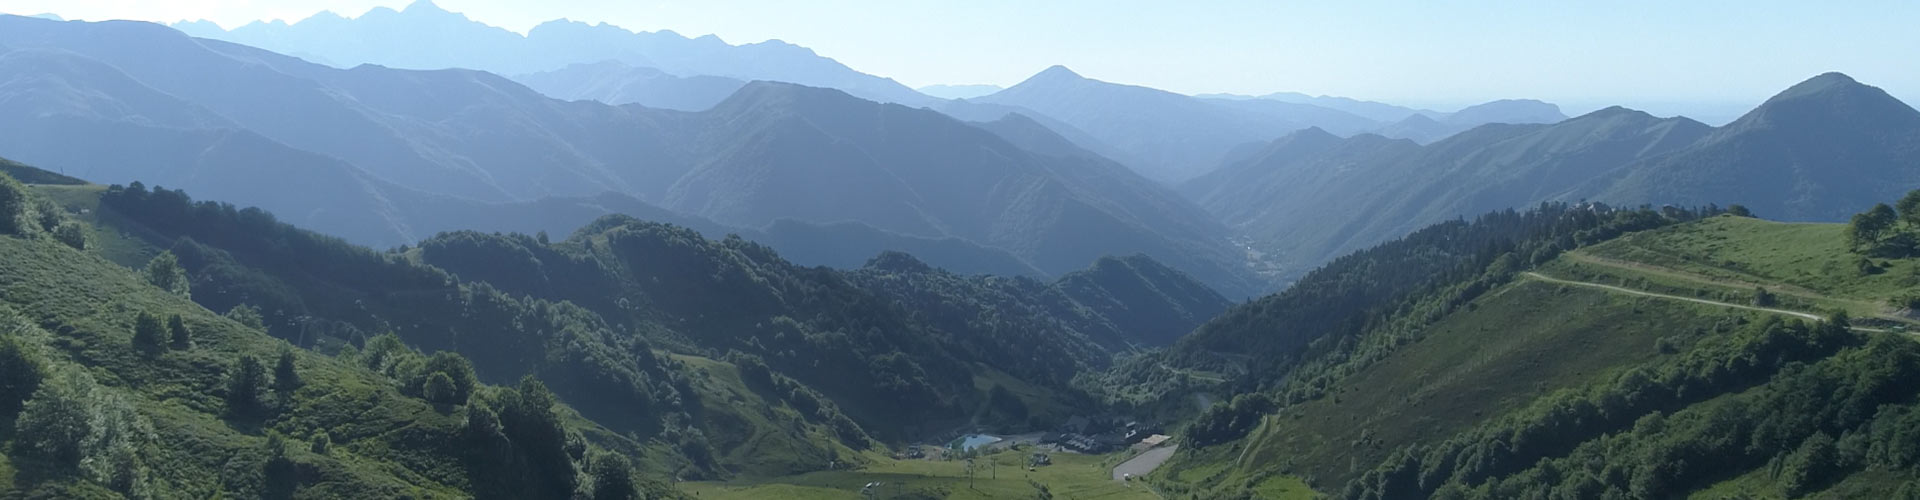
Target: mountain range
615 82
1164 136
959 91
1173 137
425 36
708 286
1816 152
377 150
1420 125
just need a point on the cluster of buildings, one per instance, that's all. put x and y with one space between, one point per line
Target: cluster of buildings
1081 436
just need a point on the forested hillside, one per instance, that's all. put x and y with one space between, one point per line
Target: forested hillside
595 314
1647 357
114 383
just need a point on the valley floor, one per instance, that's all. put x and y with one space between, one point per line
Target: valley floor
1000 475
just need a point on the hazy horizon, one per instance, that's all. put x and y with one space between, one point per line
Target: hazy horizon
1660 58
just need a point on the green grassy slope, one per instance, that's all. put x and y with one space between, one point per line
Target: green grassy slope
1533 387
31 175
163 423
1070 476
1514 345
1804 260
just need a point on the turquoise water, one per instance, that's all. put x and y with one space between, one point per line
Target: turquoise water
972 441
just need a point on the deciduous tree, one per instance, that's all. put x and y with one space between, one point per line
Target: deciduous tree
164 271
1909 208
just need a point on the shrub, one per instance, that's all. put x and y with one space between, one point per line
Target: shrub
54 422
164 271
72 234
439 389
21 371
322 443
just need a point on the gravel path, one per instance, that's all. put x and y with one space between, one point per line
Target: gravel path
1630 291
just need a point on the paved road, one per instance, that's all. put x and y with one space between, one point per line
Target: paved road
1630 291
1145 463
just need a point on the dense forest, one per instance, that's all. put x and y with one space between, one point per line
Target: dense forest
894 343
1805 404
112 383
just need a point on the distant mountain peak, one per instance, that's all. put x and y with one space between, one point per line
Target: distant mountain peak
1615 110
325 15
1419 119
1824 82
424 7
1315 133
1509 111
1832 77
760 95
1056 72
1830 99
200 28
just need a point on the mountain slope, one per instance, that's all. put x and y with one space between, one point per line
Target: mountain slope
1151 303
918 172
959 91
1815 152
1428 127
454 141
616 83
96 122
1506 111
425 36
1169 136
1419 125
619 291
1376 111
1552 386
460 133
113 416
1312 197
1312 115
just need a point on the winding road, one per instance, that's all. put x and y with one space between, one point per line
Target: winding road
1141 465
1630 291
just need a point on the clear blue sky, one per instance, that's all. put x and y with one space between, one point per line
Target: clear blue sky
1436 53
